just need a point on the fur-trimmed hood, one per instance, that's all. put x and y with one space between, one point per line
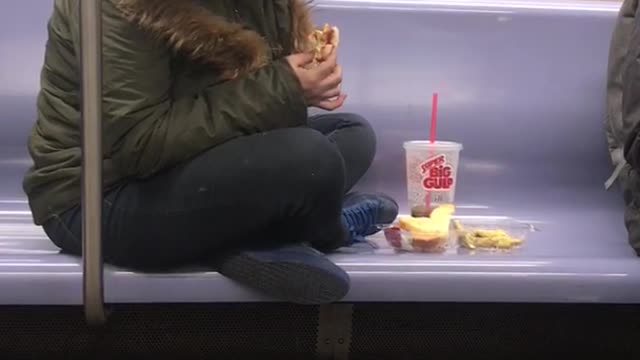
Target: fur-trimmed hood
189 28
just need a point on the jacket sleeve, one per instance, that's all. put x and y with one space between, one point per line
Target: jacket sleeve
630 124
146 129
618 60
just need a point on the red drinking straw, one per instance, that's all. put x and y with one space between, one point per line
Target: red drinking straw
434 118
432 137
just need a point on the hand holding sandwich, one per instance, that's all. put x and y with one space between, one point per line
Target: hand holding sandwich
320 84
318 71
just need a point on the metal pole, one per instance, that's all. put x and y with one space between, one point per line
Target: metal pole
91 62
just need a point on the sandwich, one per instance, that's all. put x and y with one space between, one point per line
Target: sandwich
324 41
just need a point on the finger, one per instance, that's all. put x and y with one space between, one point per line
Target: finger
331 94
326 51
333 81
327 67
301 60
331 105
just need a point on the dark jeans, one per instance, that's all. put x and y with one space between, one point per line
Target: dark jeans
259 191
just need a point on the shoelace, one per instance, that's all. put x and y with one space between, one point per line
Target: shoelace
359 218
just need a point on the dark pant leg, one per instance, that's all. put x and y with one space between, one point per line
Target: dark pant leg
262 190
354 138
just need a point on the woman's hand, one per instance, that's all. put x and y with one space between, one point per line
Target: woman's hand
320 84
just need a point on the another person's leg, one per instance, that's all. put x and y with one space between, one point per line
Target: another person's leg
356 141
262 191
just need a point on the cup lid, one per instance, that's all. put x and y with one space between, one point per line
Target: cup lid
426 144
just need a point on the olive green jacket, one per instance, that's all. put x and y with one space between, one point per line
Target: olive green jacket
179 77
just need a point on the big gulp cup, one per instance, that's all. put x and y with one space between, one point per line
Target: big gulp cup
431 174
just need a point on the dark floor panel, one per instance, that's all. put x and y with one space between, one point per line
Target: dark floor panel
478 331
274 331
188 332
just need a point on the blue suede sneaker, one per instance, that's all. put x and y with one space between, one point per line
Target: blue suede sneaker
362 214
296 273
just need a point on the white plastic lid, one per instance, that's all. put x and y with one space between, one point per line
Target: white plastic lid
440 145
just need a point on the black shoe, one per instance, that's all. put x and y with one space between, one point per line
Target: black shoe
297 274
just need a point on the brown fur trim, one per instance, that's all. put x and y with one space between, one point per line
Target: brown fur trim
191 29
302 25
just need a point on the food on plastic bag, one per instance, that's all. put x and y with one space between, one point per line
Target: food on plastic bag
422 234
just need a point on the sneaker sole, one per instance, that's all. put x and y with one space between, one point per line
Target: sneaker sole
289 281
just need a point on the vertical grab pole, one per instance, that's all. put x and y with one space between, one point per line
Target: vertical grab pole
91 62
